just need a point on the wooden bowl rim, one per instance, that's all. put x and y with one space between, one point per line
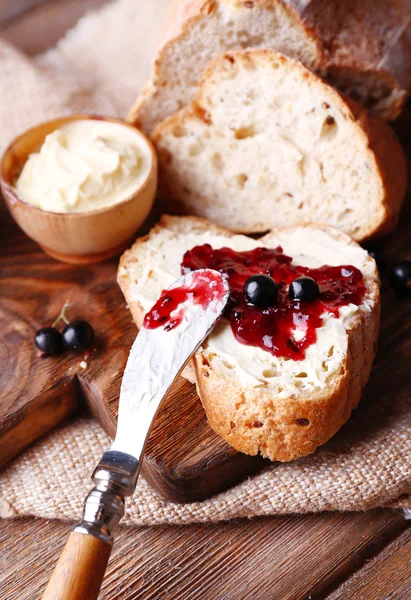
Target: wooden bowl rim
7 185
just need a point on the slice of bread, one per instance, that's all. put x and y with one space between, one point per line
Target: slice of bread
363 47
266 143
257 402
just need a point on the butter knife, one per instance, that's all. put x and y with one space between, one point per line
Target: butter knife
164 345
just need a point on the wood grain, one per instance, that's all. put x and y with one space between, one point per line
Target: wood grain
387 576
80 569
35 392
184 459
287 558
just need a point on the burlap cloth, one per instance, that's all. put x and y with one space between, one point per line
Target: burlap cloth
99 66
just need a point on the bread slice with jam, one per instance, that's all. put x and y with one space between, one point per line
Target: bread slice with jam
266 143
291 386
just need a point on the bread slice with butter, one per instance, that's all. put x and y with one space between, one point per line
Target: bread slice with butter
260 403
266 143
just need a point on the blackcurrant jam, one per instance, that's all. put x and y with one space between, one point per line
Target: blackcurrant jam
289 327
168 311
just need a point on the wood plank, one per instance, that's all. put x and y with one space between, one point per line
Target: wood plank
41 27
291 558
36 393
386 577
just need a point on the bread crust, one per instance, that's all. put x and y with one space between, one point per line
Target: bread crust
391 165
379 141
235 412
382 59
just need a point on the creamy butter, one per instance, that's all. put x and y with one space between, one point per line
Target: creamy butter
252 365
84 166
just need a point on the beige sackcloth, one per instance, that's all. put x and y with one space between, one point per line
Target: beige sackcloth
100 66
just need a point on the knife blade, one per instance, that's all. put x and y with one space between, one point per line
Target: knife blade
172 331
158 356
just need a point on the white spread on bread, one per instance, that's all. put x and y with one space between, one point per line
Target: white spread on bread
84 166
251 365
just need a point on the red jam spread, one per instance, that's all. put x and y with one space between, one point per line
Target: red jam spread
273 328
168 311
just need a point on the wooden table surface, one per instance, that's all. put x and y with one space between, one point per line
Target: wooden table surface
365 556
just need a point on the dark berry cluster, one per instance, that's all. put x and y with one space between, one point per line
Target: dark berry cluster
261 290
76 336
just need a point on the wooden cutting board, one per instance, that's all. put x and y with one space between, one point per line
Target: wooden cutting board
185 460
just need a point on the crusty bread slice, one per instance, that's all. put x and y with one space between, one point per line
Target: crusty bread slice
266 143
279 407
363 47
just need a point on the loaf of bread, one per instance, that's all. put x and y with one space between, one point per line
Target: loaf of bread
258 402
266 143
363 47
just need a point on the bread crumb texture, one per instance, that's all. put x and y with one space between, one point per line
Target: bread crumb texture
372 69
266 143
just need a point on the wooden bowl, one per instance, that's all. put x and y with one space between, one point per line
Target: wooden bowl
81 237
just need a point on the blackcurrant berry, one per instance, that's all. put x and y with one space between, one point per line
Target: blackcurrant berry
261 290
304 288
78 336
48 340
400 277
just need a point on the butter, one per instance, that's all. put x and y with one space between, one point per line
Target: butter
84 166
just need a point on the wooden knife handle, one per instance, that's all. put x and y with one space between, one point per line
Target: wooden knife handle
80 570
